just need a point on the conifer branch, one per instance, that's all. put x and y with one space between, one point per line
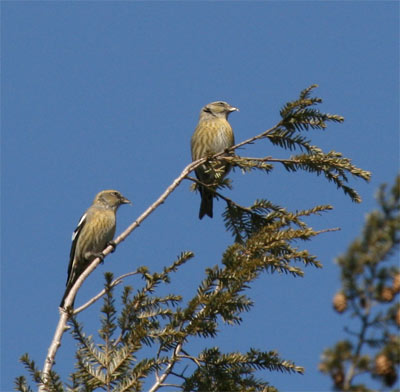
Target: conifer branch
175 357
61 327
369 287
254 226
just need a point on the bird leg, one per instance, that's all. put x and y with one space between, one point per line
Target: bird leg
100 256
112 244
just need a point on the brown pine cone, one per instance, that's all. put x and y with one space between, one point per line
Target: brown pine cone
339 302
383 365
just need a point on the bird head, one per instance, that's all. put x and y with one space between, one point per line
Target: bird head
110 199
217 109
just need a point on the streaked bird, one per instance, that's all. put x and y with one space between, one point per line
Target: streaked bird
212 135
95 230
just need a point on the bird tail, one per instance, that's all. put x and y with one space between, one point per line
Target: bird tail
67 290
206 206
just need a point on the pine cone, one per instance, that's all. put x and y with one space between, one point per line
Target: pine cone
385 368
397 317
339 302
383 365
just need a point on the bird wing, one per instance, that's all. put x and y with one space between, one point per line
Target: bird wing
75 236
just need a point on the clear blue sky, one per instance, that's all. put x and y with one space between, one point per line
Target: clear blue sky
99 95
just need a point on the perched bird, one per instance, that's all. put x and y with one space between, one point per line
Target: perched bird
212 135
95 230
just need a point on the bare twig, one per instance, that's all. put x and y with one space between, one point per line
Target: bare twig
227 199
114 283
257 137
327 230
194 359
168 369
171 386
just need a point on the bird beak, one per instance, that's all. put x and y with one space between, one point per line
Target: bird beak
124 200
232 109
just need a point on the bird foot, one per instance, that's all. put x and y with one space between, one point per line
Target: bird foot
112 244
100 256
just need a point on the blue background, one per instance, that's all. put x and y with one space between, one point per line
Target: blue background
99 95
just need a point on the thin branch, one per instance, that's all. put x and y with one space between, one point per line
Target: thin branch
352 370
265 159
55 344
252 139
248 210
114 283
327 230
227 199
194 359
179 375
171 386
168 369
351 373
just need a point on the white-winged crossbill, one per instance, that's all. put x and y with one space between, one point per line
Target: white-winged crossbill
212 135
95 230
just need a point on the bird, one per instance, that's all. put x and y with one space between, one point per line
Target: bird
95 230
213 134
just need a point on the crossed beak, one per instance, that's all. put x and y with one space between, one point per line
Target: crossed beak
124 200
